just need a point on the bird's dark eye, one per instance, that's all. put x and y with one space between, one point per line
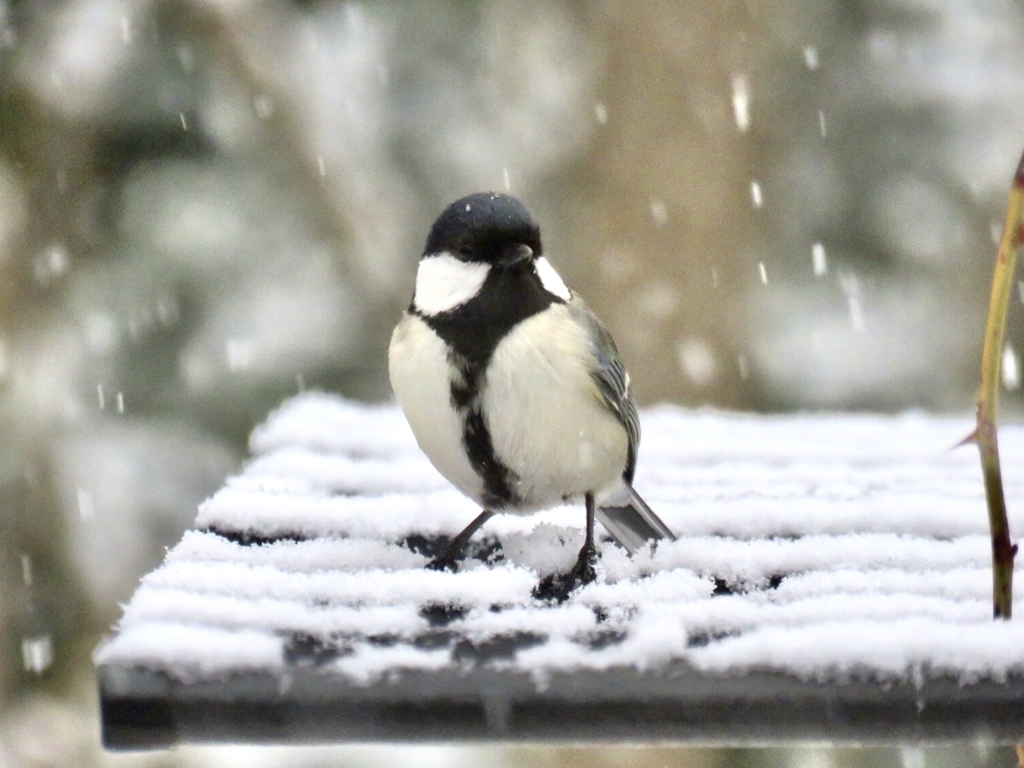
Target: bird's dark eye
466 252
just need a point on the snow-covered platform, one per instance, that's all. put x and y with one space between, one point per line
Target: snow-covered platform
831 581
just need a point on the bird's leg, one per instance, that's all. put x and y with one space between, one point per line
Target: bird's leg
558 587
584 568
449 559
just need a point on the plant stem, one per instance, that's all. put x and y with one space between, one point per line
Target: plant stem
1003 550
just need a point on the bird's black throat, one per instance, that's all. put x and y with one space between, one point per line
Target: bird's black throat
507 297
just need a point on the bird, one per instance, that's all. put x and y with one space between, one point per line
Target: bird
513 388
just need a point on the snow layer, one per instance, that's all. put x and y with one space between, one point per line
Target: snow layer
827 547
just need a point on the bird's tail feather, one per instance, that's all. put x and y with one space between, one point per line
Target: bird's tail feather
629 520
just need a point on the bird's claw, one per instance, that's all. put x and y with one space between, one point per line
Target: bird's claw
443 563
558 586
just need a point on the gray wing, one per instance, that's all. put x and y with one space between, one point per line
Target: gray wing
611 378
624 514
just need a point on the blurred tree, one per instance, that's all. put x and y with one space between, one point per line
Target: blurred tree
661 212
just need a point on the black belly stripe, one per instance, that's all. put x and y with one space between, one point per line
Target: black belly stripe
499 481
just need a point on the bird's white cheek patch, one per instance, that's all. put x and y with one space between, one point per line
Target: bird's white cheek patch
550 280
443 283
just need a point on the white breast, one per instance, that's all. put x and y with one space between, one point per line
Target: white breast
417 364
545 414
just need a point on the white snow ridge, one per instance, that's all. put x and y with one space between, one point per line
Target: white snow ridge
827 548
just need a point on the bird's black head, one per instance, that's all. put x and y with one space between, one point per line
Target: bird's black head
487 228
482 273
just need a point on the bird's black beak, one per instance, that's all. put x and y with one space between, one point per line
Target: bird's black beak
514 255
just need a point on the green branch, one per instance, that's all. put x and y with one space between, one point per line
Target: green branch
1003 550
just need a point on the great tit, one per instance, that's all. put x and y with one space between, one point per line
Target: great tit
513 388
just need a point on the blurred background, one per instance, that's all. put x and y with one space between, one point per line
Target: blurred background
209 205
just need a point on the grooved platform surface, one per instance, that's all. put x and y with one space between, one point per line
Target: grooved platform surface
831 582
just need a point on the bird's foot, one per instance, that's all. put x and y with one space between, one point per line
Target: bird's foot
558 586
443 562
